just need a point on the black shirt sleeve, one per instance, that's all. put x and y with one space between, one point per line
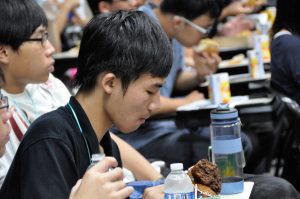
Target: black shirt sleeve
49 169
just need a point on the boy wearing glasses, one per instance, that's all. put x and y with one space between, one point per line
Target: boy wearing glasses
113 90
25 64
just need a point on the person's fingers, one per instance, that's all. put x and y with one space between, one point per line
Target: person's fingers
78 183
104 165
117 185
247 9
216 57
75 188
156 192
125 192
113 175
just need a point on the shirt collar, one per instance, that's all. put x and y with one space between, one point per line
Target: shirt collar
86 126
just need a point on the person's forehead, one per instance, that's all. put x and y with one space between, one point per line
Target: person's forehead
40 29
151 80
203 19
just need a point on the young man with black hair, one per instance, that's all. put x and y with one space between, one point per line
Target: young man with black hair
28 94
118 84
185 22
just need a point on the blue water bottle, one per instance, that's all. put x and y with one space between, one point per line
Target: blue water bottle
227 150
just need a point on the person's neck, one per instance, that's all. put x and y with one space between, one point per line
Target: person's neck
12 88
92 105
165 21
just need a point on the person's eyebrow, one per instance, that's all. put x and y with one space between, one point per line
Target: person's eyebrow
40 30
159 85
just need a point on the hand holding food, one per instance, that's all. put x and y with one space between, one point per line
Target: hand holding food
208 45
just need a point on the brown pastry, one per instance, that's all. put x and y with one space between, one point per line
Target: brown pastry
206 175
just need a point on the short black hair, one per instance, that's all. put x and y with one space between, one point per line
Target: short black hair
192 9
287 16
94 5
18 20
126 43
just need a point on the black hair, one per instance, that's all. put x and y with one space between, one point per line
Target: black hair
126 43
18 20
287 16
192 9
94 5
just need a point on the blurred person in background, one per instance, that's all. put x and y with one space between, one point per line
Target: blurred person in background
60 15
285 77
285 49
104 6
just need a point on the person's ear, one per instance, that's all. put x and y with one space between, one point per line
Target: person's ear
108 82
3 54
177 22
104 7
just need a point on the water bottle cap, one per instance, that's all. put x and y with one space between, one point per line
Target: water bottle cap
224 112
176 166
96 157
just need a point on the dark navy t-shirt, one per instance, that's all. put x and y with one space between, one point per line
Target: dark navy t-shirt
285 65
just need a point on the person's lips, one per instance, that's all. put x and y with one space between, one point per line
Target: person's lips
143 119
51 66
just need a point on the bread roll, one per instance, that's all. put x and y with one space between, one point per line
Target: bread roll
208 45
254 3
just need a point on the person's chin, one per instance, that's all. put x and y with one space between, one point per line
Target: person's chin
51 69
130 129
44 78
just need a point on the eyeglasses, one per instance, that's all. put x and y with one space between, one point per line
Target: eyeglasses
3 102
196 27
43 39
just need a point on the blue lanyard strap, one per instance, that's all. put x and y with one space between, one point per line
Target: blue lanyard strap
81 132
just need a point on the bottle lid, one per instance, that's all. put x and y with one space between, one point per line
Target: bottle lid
224 112
176 166
96 157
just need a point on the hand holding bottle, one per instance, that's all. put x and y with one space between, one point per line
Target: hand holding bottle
98 183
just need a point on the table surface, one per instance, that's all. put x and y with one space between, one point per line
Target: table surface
197 114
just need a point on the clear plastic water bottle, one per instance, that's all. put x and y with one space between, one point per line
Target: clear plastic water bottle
178 184
227 150
97 157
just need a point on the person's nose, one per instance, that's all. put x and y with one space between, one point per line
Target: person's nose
155 103
49 48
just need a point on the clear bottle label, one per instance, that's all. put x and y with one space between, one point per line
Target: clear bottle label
189 195
227 146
